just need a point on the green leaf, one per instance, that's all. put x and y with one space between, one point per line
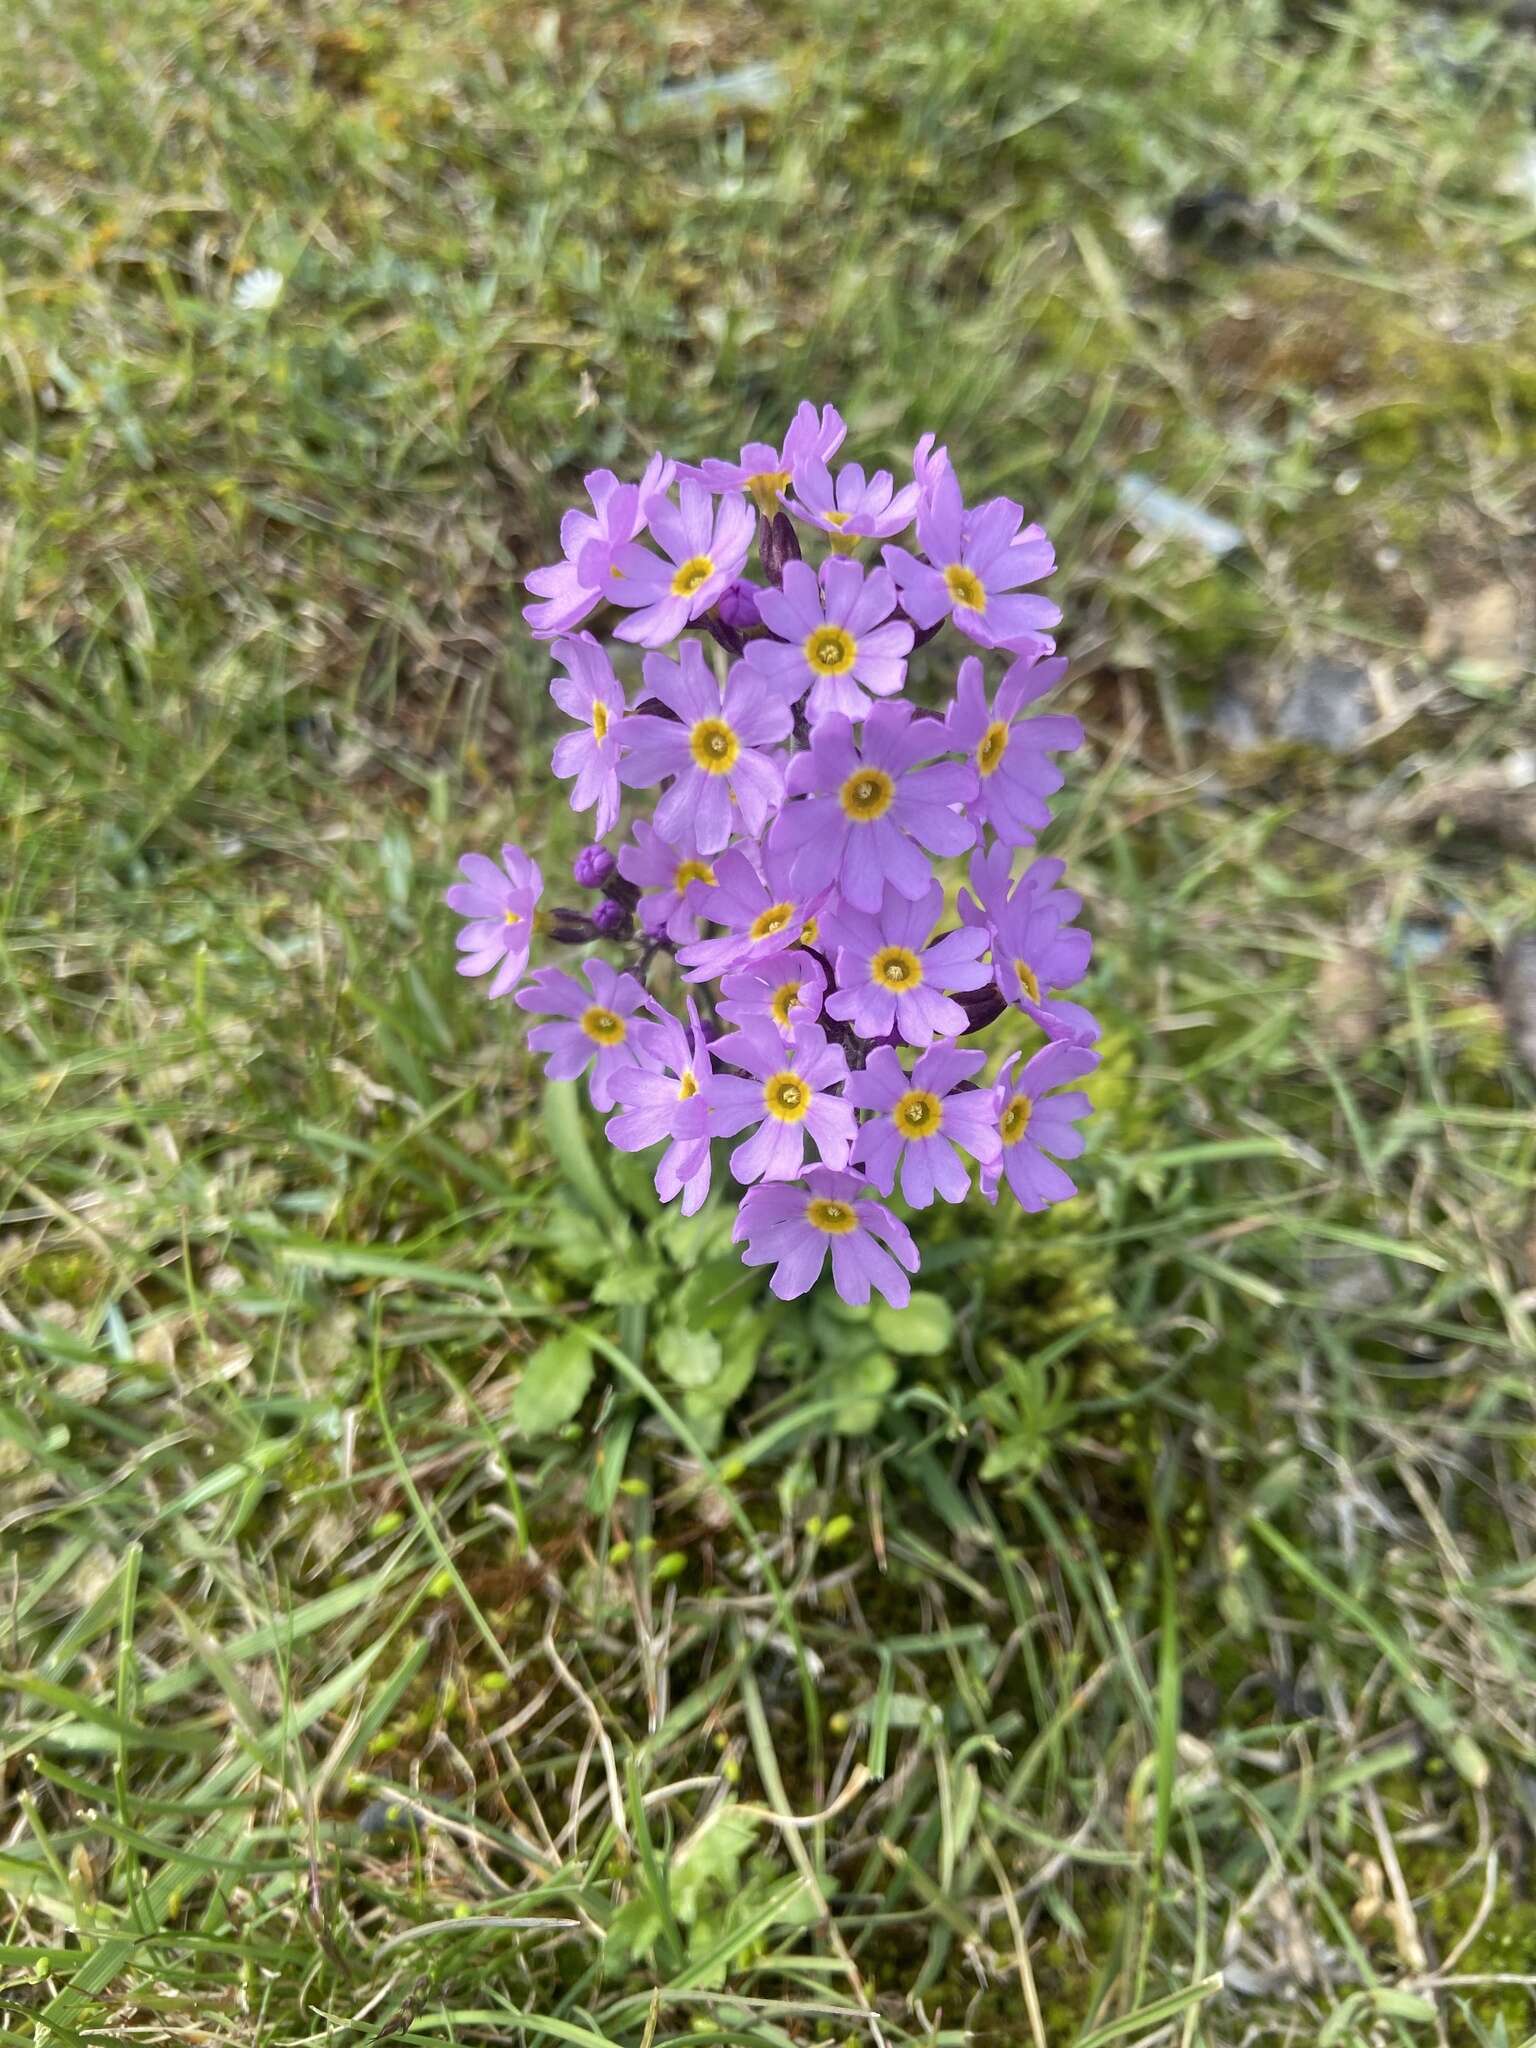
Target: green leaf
554 1384
860 1387
631 1932
690 1358
582 1246
628 1280
566 1129
925 1328
711 1856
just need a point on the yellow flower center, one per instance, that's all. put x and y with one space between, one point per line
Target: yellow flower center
785 997
1016 1119
1029 981
599 719
688 871
895 967
994 744
714 746
917 1113
965 587
514 917
772 920
835 1218
866 795
831 651
690 574
602 1026
837 518
687 1087
786 1097
764 489
809 931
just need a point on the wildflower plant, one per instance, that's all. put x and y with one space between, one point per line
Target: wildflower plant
768 958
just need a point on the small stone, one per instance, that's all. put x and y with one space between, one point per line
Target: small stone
1328 704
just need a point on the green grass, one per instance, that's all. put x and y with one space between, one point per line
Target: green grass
1151 1662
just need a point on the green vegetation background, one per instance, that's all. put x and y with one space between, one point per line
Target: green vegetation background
1134 1644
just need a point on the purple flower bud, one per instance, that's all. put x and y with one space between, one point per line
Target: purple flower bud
737 605
777 543
568 927
592 866
612 920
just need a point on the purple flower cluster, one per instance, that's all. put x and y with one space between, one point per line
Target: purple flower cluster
785 891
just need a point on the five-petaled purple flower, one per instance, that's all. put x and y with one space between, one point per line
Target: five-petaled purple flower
592 1024
672 874
1035 953
975 564
784 990
706 542
890 979
923 1116
791 1229
786 1090
591 692
1032 1122
864 813
711 747
665 1096
762 908
764 472
855 507
1012 754
573 588
499 903
834 633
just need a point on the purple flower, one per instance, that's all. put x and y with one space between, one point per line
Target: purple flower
975 565
855 507
576 586
888 979
992 883
787 1099
922 1119
1035 952
674 874
784 990
1012 754
737 605
1032 1122
499 903
831 638
764 472
706 545
591 693
592 867
594 1022
864 813
664 1097
790 1229
763 912
720 784
928 462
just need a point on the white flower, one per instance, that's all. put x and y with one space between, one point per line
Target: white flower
258 291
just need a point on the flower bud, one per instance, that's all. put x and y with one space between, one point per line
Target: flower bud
592 866
737 605
568 927
612 920
777 543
